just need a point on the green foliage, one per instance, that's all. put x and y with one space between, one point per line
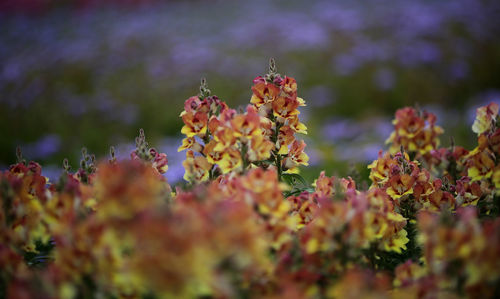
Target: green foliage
42 255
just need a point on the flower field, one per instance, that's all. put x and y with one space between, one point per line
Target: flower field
246 224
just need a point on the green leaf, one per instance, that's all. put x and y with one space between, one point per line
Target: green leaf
293 179
296 191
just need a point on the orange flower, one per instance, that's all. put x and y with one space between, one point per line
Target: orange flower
289 86
225 138
195 124
259 148
192 104
296 156
380 168
247 124
294 123
231 160
494 141
264 93
462 243
285 138
400 185
160 161
197 168
408 273
480 164
126 188
324 186
439 198
468 192
285 107
304 207
213 156
24 202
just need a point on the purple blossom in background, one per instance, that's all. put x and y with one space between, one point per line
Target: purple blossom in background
458 70
368 51
306 34
52 172
45 147
358 152
382 128
73 104
420 52
127 114
337 17
101 62
315 158
346 64
340 129
417 18
384 79
11 71
319 96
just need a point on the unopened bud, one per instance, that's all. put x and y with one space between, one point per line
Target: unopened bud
19 155
419 110
204 91
66 166
272 66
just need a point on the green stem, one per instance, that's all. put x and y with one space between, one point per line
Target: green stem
278 165
211 173
277 156
244 150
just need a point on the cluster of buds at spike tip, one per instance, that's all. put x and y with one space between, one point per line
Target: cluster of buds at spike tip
19 155
112 155
144 153
87 167
66 166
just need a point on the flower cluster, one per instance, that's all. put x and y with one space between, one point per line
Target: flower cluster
276 99
460 254
248 225
220 140
415 131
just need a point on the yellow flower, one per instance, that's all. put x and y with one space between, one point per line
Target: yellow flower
484 118
196 168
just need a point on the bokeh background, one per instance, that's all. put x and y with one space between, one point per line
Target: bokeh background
80 73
